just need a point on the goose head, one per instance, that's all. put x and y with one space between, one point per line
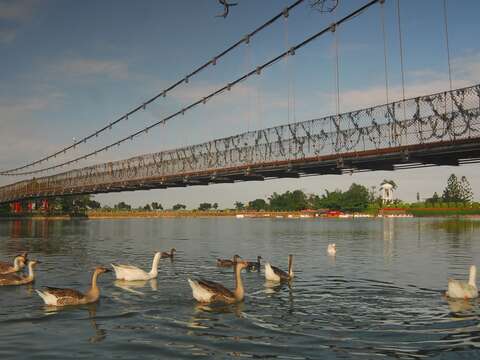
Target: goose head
100 270
236 258
241 264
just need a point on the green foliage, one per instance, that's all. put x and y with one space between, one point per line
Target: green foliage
239 205
355 198
156 206
204 206
177 207
147 207
457 191
215 206
258 204
122 206
288 201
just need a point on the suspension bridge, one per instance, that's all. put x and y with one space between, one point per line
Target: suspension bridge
430 130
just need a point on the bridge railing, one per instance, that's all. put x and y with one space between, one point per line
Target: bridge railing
445 116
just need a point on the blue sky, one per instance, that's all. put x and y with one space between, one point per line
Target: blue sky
70 67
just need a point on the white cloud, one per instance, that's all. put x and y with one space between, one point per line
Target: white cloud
465 72
92 67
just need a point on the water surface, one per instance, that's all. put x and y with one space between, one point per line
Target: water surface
380 297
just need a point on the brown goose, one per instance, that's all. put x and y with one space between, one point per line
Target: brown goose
166 254
18 264
20 279
63 297
254 265
206 291
228 262
273 273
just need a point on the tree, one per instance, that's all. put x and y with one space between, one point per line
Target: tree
147 207
123 206
418 196
178 207
258 204
355 198
239 205
453 191
156 206
92 204
332 200
434 199
288 201
215 206
466 190
204 206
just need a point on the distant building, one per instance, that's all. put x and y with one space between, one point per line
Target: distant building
386 190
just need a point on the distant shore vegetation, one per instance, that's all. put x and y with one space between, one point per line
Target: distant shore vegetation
456 199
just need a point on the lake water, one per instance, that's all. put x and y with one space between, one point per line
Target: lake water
380 297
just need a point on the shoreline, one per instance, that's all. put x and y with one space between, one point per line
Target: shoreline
94 215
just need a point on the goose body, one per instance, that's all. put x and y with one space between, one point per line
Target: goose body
63 297
133 273
166 254
20 279
18 264
254 265
206 291
228 262
458 289
332 249
275 274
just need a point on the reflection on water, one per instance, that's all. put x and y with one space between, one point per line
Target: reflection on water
131 286
380 297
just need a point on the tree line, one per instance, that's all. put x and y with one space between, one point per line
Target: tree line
356 198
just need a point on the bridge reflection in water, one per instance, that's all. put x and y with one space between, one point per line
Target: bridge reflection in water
436 129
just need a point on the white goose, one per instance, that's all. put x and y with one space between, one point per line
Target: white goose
332 249
133 273
273 273
458 289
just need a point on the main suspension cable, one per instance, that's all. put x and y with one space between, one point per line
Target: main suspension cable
257 71
163 93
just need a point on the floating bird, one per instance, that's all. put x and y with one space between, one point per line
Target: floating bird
228 262
458 289
20 279
166 254
273 273
205 291
18 264
254 265
64 297
226 7
332 249
133 273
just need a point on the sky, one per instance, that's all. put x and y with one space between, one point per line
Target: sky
67 68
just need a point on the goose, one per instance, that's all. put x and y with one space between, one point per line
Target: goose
18 264
254 265
205 291
166 254
228 262
20 279
273 273
332 249
458 289
64 297
133 273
